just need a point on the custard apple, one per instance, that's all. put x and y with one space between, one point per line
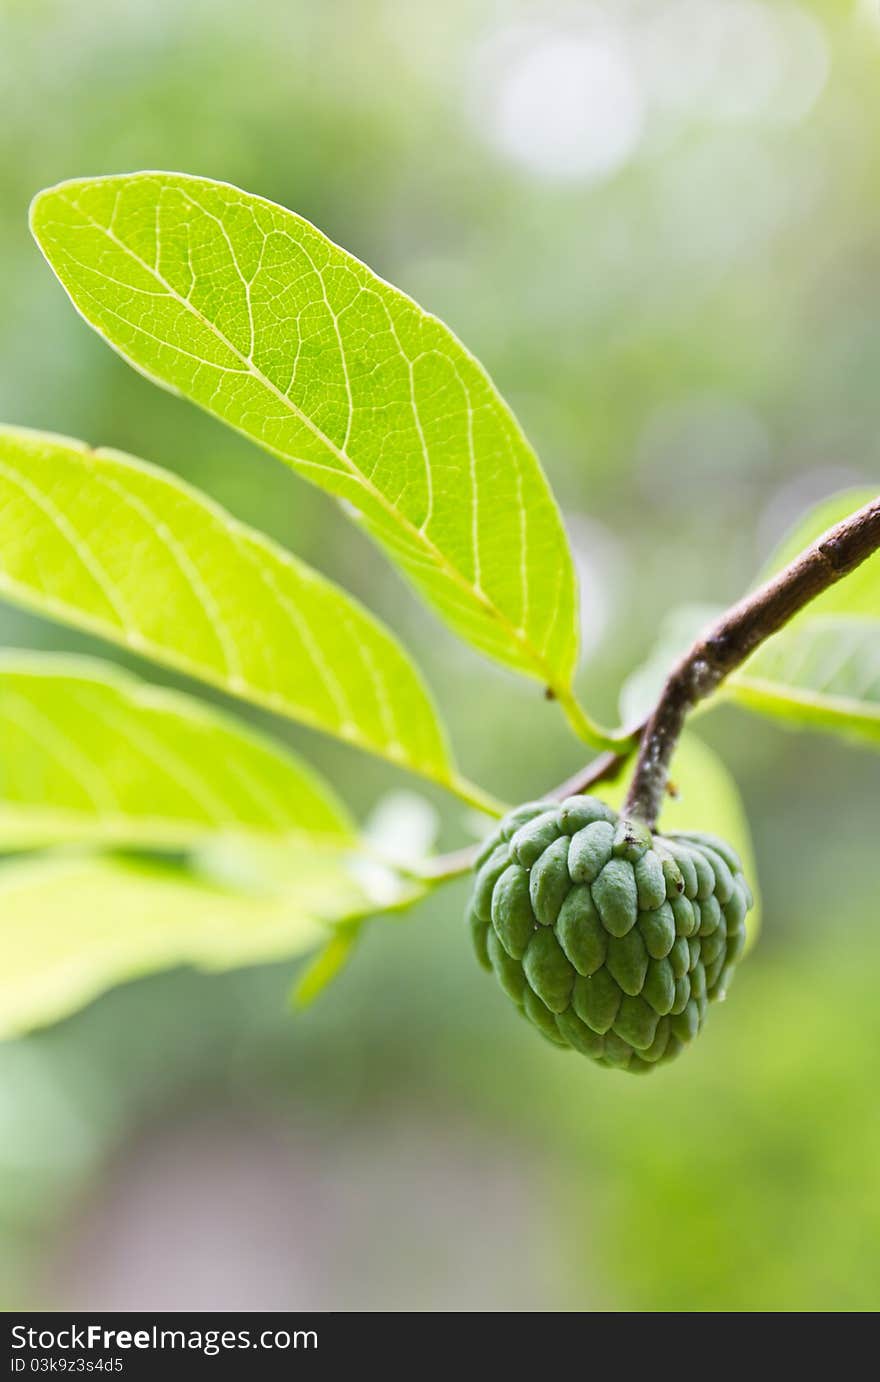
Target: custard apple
609 938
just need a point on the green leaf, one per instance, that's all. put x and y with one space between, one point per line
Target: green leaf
822 671
326 966
120 548
821 674
91 754
71 927
706 798
252 313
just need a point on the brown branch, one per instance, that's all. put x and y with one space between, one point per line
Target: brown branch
727 644
605 768
715 654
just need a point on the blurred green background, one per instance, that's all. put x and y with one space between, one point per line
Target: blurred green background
657 222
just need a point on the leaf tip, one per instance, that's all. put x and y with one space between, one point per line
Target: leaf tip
36 204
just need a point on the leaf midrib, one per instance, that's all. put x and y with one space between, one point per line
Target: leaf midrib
820 700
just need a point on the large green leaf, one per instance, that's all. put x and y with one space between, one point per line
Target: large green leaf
90 754
255 315
822 671
125 550
71 927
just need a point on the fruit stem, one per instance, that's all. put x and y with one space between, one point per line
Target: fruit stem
445 867
734 637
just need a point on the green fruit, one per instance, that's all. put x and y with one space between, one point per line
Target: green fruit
609 939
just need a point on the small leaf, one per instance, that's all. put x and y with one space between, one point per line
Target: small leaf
821 674
91 754
252 313
71 927
326 966
822 671
120 548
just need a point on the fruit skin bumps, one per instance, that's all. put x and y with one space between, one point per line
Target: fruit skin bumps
609 938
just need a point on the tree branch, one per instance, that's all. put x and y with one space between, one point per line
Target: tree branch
736 635
715 654
605 768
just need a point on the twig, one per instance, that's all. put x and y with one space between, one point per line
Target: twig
727 644
605 768
715 654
